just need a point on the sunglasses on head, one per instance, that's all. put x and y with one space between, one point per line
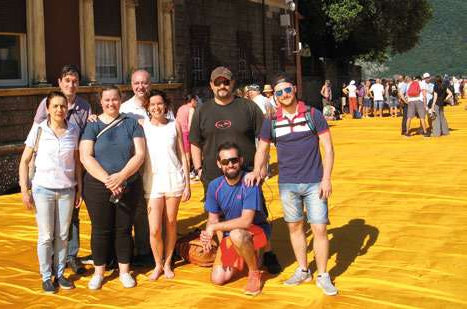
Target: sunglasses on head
221 81
287 90
233 160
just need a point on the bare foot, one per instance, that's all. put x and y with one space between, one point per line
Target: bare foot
168 273
156 273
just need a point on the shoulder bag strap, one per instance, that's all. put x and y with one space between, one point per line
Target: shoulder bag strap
36 143
111 125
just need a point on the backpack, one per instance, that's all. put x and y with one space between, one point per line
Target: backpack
308 121
361 91
414 89
394 91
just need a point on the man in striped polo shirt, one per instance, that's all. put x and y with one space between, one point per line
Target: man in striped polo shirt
304 179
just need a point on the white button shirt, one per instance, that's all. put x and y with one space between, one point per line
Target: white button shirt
55 160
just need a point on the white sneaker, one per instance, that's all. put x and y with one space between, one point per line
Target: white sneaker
96 282
323 281
127 280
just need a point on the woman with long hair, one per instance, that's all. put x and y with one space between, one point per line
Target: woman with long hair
56 187
166 180
441 94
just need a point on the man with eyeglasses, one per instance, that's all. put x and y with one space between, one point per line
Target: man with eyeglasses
226 118
304 179
237 217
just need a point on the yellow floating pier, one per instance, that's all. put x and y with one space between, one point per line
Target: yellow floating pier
398 235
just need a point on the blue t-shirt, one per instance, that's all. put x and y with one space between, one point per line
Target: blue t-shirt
115 147
298 152
230 201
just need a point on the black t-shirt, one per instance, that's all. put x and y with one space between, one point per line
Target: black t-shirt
441 92
213 124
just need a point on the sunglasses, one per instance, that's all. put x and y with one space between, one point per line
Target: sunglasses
287 90
233 160
221 81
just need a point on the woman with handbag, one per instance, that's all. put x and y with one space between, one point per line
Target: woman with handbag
166 180
50 161
112 150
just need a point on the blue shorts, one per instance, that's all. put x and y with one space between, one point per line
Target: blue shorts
295 197
392 101
379 104
367 102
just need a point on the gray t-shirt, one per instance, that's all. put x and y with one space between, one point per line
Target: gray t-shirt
115 147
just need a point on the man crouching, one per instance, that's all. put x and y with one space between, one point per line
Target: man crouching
238 219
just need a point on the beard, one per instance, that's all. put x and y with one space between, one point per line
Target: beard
225 93
232 174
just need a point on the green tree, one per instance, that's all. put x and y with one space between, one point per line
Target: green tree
371 29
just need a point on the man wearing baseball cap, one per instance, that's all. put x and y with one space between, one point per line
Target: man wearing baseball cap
225 118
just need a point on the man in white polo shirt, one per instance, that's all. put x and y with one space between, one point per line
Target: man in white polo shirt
136 108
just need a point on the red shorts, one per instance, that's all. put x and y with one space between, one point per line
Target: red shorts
186 142
227 255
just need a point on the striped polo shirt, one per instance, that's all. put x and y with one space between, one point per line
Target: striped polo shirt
297 147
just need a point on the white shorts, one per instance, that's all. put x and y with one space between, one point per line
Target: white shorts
157 185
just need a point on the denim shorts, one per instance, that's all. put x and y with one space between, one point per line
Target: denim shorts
295 197
379 104
367 102
392 101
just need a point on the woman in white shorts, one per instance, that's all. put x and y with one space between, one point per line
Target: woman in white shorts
166 180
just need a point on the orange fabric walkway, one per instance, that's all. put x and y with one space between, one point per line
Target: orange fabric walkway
398 235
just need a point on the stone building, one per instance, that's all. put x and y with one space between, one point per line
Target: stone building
177 41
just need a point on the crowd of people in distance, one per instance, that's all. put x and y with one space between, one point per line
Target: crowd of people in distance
423 97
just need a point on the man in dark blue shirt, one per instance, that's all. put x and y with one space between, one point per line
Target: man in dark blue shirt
304 178
236 215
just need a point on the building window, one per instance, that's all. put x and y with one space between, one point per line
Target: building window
244 57
148 58
200 53
197 62
278 53
146 36
108 60
243 69
13 59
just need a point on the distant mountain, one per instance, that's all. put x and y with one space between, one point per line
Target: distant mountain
443 44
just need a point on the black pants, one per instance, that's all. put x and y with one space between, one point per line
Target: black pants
110 223
405 108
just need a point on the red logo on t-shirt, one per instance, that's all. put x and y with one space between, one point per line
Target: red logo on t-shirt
223 124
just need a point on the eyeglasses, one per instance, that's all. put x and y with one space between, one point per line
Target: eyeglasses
233 160
221 81
287 90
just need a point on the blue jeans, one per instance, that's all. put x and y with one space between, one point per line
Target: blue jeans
295 196
54 208
378 104
73 236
